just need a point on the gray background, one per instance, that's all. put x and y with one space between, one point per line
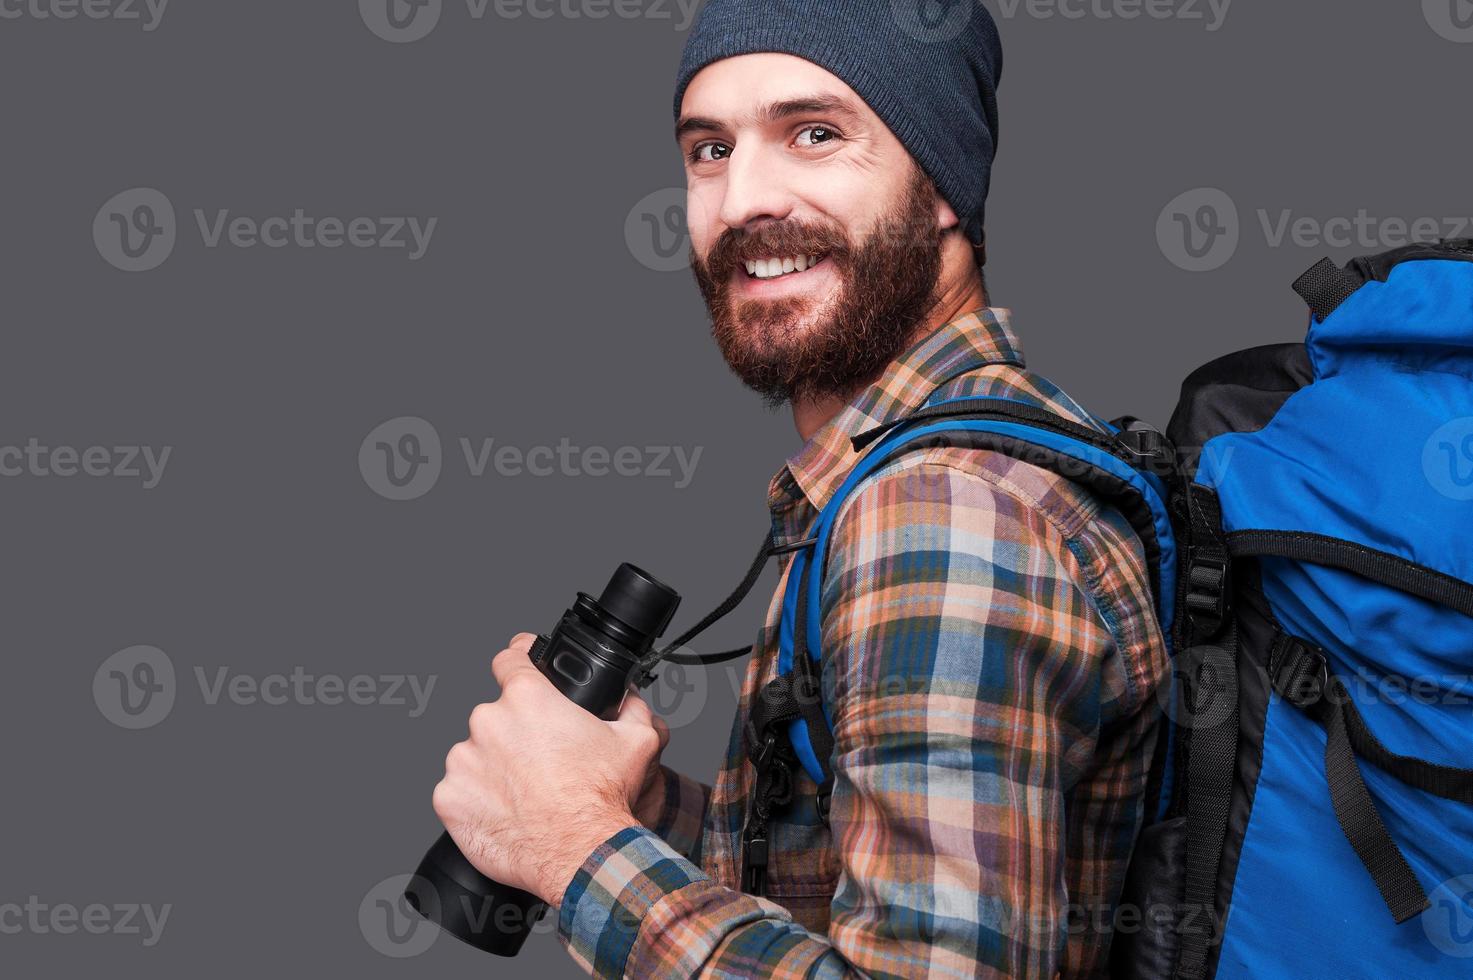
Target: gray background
530 319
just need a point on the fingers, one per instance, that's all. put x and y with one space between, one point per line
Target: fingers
635 709
511 660
636 712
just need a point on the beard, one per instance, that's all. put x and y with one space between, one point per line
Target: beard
801 349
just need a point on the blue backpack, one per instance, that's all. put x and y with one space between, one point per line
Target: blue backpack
1320 824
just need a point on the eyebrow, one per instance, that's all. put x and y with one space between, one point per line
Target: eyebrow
773 112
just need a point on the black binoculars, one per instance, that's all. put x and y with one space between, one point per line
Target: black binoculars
597 650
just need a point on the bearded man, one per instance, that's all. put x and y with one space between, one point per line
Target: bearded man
990 654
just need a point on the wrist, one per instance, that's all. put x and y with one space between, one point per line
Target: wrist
574 847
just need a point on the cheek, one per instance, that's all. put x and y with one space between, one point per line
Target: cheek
700 217
847 201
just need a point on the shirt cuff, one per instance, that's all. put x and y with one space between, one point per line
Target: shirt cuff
615 887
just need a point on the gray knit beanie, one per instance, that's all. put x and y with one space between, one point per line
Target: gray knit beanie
933 84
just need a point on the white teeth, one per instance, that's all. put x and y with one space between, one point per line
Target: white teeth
772 268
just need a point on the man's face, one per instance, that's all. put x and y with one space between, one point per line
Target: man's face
815 238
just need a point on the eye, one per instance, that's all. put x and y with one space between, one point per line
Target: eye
707 152
817 135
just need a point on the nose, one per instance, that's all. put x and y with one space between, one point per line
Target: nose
753 191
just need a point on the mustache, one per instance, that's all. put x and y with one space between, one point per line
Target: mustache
735 248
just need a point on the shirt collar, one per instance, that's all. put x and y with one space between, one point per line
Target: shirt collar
973 340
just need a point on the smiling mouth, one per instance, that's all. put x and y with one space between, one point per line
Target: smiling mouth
778 267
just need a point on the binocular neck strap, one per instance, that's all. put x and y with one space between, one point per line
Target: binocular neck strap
666 652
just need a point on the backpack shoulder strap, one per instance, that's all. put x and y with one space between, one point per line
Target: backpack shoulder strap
1128 468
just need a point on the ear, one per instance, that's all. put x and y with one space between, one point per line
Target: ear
946 218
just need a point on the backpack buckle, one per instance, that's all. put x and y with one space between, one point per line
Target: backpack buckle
1153 451
764 754
1209 592
1299 671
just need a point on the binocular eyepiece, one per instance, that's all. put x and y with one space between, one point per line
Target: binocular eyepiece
591 656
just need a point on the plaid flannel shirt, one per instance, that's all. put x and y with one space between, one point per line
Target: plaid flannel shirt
989 636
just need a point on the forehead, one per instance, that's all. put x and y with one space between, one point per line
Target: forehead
732 90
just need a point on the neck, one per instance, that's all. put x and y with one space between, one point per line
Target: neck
961 296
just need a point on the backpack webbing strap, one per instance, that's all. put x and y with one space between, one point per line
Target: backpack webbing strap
1325 286
1206 581
1352 556
1211 764
1210 700
1301 675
